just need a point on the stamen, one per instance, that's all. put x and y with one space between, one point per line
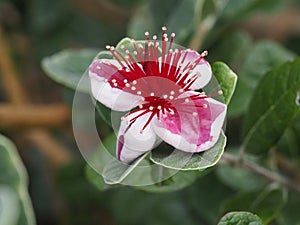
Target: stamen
205 53
148 59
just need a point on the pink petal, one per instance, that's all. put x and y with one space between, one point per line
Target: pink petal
192 128
115 98
131 142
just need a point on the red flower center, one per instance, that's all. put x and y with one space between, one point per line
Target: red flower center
160 80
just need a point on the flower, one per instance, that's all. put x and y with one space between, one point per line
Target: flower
158 84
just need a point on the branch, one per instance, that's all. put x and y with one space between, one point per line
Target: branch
270 175
53 150
53 115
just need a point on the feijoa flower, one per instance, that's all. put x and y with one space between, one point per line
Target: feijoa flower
158 84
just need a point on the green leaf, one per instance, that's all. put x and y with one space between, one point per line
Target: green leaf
179 17
141 21
151 177
272 108
68 66
161 11
264 56
10 209
266 204
182 20
116 172
180 160
95 178
180 180
290 212
231 48
240 178
226 78
13 187
207 196
240 218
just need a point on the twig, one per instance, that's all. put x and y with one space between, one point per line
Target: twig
270 175
54 151
52 115
18 96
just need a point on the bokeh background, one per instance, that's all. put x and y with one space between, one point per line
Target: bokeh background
35 111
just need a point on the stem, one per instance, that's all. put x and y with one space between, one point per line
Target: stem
270 175
201 32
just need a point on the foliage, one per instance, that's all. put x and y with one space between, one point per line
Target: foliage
16 208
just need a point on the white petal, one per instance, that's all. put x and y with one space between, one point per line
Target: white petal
112 97
204 74
131 142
